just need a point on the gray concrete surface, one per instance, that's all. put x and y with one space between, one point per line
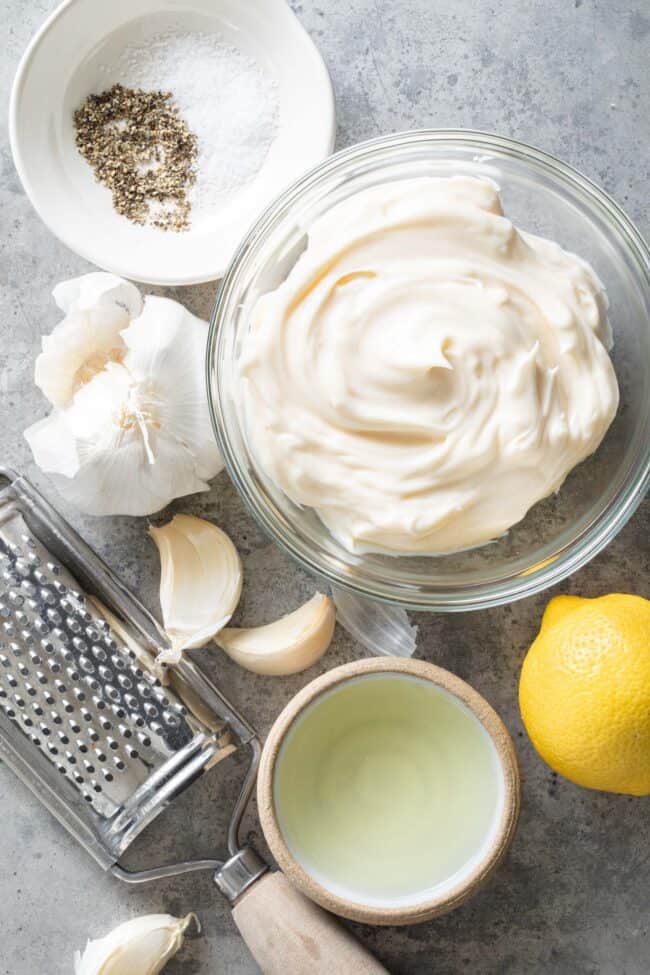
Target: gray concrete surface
574 895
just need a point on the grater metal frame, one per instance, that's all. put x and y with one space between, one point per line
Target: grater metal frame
220 727
105 746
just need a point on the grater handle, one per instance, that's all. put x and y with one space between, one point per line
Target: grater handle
287 934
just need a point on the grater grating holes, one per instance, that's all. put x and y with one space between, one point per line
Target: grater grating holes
72 686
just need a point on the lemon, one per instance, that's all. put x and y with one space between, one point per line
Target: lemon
584 691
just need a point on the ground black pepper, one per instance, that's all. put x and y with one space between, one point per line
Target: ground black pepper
142 150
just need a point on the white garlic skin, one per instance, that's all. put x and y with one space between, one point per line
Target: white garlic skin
97 307
141 946
379 627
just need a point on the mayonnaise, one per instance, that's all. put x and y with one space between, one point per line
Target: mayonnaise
427 372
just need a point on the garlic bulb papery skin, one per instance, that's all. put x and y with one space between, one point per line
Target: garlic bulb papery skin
287 646
141 946
200 582
135 432
379 627
97 307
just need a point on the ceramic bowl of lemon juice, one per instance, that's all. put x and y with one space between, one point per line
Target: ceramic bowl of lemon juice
388 791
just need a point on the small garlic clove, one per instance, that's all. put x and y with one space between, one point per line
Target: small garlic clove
287 646
141 946
200 582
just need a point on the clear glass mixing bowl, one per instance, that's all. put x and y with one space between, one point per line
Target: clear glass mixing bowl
542 195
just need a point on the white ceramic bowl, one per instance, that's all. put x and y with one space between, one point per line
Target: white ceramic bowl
62 65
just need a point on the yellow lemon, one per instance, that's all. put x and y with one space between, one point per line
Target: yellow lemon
584 691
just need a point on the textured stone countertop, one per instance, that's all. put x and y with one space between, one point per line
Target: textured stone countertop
573 897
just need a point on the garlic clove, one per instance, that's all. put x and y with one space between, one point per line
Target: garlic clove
141 946
200 582
98 306
287 646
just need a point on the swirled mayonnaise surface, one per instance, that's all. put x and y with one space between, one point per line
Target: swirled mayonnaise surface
427 371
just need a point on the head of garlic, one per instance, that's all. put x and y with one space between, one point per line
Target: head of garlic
141 946
130 430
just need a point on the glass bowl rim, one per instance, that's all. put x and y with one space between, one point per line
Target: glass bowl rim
569 558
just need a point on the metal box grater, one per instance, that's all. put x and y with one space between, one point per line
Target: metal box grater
106 745
84 721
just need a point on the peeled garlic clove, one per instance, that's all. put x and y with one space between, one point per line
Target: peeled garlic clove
200 582
142 946
288 645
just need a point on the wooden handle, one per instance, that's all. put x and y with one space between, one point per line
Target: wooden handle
288 934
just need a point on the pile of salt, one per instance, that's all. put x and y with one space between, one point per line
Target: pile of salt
225 97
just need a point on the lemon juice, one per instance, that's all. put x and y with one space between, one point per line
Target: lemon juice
386 788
